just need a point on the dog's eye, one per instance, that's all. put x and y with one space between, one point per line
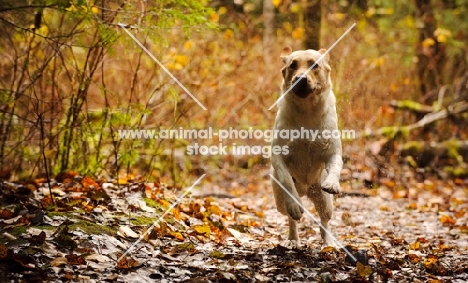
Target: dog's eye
311 65
293 65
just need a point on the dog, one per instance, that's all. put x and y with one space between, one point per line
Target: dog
311 167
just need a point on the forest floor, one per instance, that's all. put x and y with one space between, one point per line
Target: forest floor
230 231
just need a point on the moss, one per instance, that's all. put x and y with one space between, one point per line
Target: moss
389 132
413 146
152 203
460 172
92 228
453 147
60 214
15 231
143 221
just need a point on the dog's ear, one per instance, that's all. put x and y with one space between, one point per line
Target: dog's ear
285 53
323 51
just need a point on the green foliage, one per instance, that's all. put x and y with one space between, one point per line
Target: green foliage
64 54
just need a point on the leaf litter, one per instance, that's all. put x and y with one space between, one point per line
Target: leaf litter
412 233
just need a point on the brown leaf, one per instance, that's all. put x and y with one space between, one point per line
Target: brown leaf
38 239
413 258
3 251
126 262
89 183
6 214
431 261
75 259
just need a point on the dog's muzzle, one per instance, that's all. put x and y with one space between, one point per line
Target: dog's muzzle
301 87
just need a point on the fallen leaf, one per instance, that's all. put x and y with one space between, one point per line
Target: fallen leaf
203 229
59 261
126 263
413 258
415 246
217 254
363 270
447 220
127 232
3 251
75 259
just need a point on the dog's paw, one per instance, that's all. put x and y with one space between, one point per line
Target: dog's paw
292 244
294 210
328 241
331 187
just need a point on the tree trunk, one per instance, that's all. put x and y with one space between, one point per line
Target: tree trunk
269 30
312 24
431 54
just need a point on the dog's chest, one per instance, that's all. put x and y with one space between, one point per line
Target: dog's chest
306 158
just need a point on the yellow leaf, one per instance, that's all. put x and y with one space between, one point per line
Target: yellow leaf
447 220
95 9
441 38
178 66
413 205
298 33
214 209
428 42
182 59
228 34
415 246
214 17
431 261
177 235
276 3
188 45
164 203
339 16
217 254
295 8
409 21
222 10
122 181
287 26
370 12
170 66
442 32
203 229
327 249
176 212
72 8
363 270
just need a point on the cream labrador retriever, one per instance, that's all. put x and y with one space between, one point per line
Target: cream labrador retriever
312 167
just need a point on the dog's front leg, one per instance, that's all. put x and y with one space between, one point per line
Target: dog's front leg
284 202
331 184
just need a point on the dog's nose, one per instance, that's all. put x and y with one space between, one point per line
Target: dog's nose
300 85
301 80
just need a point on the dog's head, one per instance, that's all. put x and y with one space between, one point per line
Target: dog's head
306 72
